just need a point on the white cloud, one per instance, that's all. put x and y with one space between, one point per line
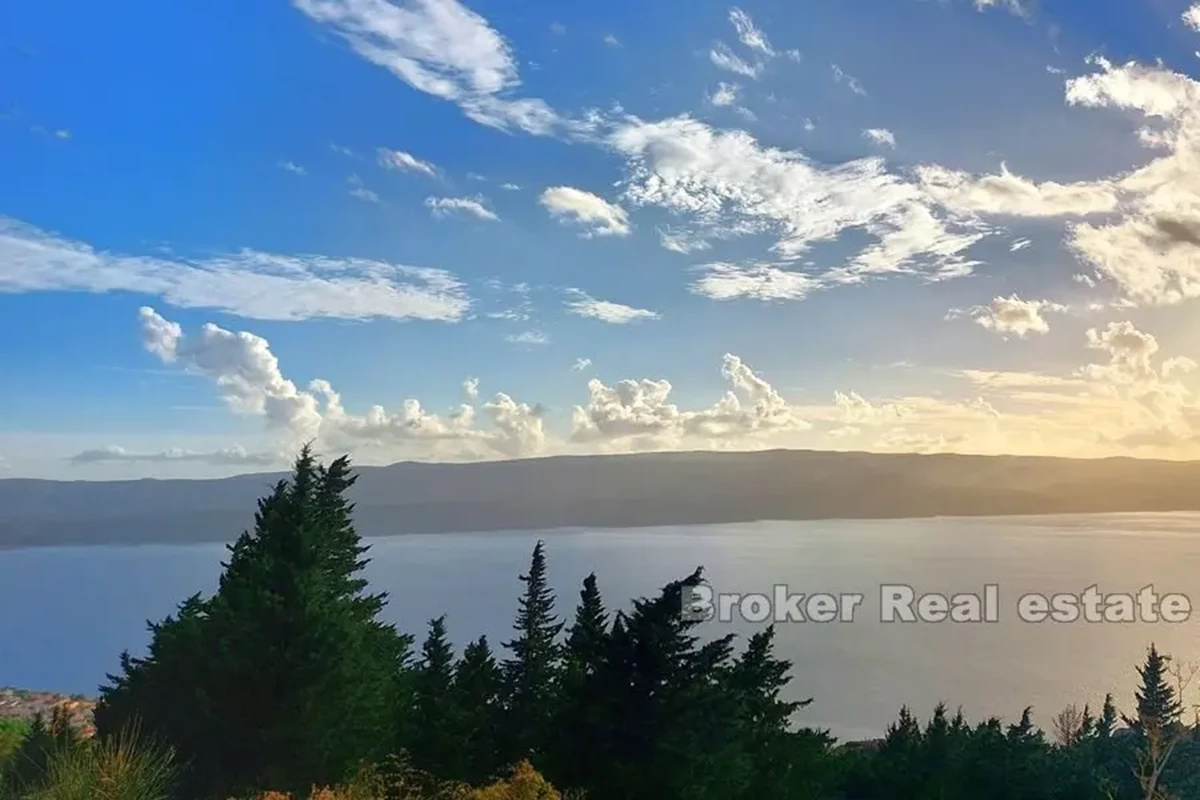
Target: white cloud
1021 8
881 136
1149 245
638 414
251 382
527 337
471 388
611 40
293 167
442 48
724 281
726 180
1191 17
404 162
357 189
581 364
247 283
232 456
681 242
748 34
852 83
342 150
510 187
584 305
1009 194
1130 353
597 215
442 206
1019 244
726 59
1012 315
725 95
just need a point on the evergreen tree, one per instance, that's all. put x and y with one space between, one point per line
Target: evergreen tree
1157 706
531 672
436 713
580 714
477 685
285 677
1107 722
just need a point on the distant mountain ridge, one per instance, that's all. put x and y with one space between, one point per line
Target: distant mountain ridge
609 491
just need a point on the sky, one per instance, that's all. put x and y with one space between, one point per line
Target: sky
453 231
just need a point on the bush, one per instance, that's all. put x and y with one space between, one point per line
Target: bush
120 767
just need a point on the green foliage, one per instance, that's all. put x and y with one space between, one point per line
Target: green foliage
286 678
123 766
531 670
12 732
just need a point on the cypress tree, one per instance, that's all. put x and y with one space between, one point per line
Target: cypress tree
285 676
531 672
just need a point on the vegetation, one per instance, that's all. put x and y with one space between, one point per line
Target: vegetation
286 680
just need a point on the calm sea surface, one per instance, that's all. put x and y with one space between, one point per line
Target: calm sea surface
66 613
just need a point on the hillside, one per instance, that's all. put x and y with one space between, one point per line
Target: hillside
609 491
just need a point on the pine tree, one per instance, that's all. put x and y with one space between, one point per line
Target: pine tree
1157 706
1107 723
285 677
531 672
435 749
477 685
573 760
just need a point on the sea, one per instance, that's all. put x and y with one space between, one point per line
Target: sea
1064 606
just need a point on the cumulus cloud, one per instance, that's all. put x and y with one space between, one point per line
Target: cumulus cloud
441 48
639 413
1022 8
444 206
247 283
404 162
1014 316
1191 17
249 379
582 304
471 388
232 456
880 136
598 216
1148 241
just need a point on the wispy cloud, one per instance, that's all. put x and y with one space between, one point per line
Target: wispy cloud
247 283
293 167
404 162
357 189
441 48
851 82
582 304
444 206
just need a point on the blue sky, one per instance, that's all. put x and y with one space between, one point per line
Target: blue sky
455 231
